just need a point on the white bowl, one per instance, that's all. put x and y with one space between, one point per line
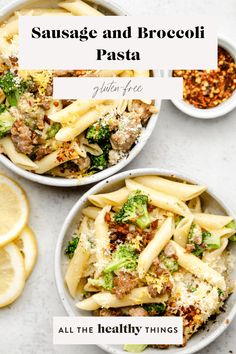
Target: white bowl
218 111
64 182
214 204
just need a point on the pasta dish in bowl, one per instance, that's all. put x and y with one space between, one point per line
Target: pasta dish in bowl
146 243
65 142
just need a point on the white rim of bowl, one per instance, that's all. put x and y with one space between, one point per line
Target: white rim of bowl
74 182
221 109
72 215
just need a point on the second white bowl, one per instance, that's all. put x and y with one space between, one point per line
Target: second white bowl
214 204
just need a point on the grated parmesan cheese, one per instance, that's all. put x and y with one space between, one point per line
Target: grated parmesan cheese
190 291
11 49
41 78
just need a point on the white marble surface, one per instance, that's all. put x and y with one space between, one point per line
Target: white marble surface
204 149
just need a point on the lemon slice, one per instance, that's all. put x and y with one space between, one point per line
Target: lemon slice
27 244
12 274
14 210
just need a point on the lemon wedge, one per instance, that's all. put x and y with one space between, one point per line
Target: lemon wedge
27 244
14 210
12 274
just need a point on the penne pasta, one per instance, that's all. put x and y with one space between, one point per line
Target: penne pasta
71 113
155 246
106 300
70 132
79 8
211 221
47 12
182 231
57 157
9 30
80 287
90 288
79 261
108 73
102 240
197 267
93 149
16 157
42 12
226 232
127 73
195 205
116 198
182 191
55 106
122 106
212 256
88 304
91 212
159 199
141 73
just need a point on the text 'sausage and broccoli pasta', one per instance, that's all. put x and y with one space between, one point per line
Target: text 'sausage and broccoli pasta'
151 248
62 137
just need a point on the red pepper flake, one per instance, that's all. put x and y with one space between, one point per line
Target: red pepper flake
150 208
208 88
154 224
139 231
123 229
107 217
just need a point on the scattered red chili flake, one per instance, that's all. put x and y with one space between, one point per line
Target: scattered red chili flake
151 208
209 88
154 224
66 153
107 217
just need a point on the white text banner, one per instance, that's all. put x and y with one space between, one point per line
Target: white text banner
117 330
117 42
117 88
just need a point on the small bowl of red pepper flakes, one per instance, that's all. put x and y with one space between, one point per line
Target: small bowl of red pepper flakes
210 93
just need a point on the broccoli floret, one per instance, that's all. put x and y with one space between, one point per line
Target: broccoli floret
233 238
105 282
12 86
220 292
98 133
2 107
212 241
99 163
52 130
106 147
198 251
6 122
135 348
171 264
124 257
135 211
207 241
71 247
155 309
232 225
